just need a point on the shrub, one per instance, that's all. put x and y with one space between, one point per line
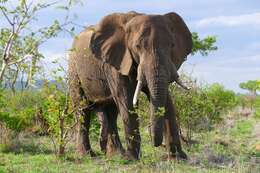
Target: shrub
222 99
193 108
203 106
57 113
256 106
17 111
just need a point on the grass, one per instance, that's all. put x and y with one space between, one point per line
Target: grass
224 150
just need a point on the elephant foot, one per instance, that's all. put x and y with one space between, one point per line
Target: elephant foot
112 150
167 157
90 153
83 152
128 155
103 146
181 155
177 156
114 147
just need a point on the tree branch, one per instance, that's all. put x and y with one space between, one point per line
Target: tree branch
28 56
7 18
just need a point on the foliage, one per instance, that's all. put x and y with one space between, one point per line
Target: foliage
18 110
57 115
222 99
252 85
53 105
246 100
28 109
194 109
257 107
202 107
20 39
203 46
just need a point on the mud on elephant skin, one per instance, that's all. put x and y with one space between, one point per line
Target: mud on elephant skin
126 53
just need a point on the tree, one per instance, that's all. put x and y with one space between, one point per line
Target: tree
252 86
19 42
203 46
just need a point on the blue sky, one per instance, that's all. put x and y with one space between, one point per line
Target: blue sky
236 23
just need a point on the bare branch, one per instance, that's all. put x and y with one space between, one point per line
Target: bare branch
7 18
28 56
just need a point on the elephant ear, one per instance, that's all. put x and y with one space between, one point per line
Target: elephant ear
108 43
182 35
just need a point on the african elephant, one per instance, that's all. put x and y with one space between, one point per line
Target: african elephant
126 53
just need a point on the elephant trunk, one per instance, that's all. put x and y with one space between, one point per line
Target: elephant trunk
158 86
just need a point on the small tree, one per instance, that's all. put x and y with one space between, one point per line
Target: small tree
57 111
20 41
222 99
252 86
201 107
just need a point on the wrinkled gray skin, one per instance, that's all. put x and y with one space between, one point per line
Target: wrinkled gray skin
105 64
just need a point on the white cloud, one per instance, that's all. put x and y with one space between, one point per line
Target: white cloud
226 70
50 57
252 19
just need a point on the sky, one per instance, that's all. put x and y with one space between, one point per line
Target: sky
236 23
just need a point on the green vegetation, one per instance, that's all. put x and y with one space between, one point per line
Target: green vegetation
203 46
252 85
229 148
257 107
218 137
20 39
202 107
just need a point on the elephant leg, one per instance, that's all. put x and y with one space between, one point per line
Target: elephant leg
114 144
123 95
172 137
132 134
83 142
82 127
102 117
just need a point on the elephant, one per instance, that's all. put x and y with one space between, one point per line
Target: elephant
112 62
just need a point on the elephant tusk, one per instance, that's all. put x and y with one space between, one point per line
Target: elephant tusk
137 91
179 82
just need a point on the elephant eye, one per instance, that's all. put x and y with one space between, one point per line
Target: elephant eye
138 46
172 44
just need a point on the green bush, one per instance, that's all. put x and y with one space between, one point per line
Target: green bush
256 106
203 106
193 109
17 110
52 106
222 99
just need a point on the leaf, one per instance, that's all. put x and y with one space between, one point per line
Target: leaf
22 2
63 8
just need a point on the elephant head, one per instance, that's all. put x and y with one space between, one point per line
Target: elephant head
156 44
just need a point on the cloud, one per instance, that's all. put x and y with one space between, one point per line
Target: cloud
230 21
225 70
50 57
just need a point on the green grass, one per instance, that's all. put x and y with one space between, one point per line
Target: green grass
242 129
225 150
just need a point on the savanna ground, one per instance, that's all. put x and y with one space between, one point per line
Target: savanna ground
233 146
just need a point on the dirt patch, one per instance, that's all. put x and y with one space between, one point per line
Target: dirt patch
211 158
